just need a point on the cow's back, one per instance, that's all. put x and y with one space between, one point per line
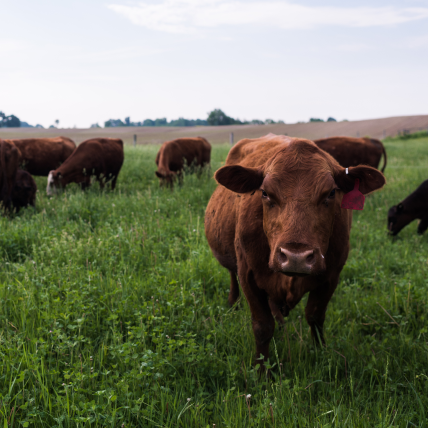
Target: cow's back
41 155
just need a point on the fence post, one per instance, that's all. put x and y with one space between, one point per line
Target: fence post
135 140
231 138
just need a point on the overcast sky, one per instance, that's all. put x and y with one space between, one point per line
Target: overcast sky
86 61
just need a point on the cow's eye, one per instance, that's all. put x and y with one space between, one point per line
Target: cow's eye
332 193
264 194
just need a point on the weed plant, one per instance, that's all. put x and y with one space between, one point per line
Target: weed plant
113 312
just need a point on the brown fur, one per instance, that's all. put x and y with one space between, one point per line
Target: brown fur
99 157
42 155
24 190
172 155
10 158
354 151
248 232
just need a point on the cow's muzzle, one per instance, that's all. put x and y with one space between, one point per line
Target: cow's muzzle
297 261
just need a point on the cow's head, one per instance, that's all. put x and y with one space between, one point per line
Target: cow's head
301 189
54 183
166 177
398 218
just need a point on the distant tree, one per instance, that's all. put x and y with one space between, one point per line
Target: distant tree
148 122
281 122
56 123
201 122
161 122
269 122
257 122
111 123
127 121
12 121
331 119
95 125
313 119
217 118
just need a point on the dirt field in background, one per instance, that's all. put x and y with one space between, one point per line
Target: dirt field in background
377 128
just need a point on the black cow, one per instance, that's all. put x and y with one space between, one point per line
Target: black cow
415 206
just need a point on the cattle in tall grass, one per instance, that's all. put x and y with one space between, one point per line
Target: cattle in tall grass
276 221
354 151
42 155
415 206
10 158
175 154
98 157
24 191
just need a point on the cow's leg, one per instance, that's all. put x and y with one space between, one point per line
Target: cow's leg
113 182
261 316
317 307
234 289
86 183
101 181
423 226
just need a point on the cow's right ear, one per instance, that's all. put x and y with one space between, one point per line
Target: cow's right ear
239 179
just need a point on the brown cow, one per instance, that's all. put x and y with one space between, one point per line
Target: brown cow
42 155
99 157
276 221
10 157
354 151
172 155
24 190
415 206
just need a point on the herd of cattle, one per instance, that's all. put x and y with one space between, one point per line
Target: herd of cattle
279 220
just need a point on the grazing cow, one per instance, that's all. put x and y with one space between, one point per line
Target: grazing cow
172 155
99 157
42 155
415 206
354 151
10 157
24 190
276 221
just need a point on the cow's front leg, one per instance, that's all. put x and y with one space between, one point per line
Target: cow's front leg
423 226
261 316
317 307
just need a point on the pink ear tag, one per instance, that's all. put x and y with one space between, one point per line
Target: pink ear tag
353 200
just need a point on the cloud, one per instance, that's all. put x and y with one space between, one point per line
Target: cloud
417 42
8 45
189 16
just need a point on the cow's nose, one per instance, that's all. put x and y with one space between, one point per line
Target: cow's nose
296 262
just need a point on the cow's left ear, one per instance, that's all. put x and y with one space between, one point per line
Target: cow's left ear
239 179
370 178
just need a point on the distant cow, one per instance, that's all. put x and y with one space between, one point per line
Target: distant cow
415 206
173 154
276 221
99 157
10 157
354 151
24 190
42 155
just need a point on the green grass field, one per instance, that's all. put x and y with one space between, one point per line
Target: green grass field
113 312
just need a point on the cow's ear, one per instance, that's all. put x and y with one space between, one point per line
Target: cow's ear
239 179
400 208
370 179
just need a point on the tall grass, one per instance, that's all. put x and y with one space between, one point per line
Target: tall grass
113 313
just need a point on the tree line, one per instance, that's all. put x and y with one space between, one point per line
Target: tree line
215 118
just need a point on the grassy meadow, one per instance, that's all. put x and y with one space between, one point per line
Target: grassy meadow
113 312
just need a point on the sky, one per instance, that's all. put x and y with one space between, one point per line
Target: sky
86 61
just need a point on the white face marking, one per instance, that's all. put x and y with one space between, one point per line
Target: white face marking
50 189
